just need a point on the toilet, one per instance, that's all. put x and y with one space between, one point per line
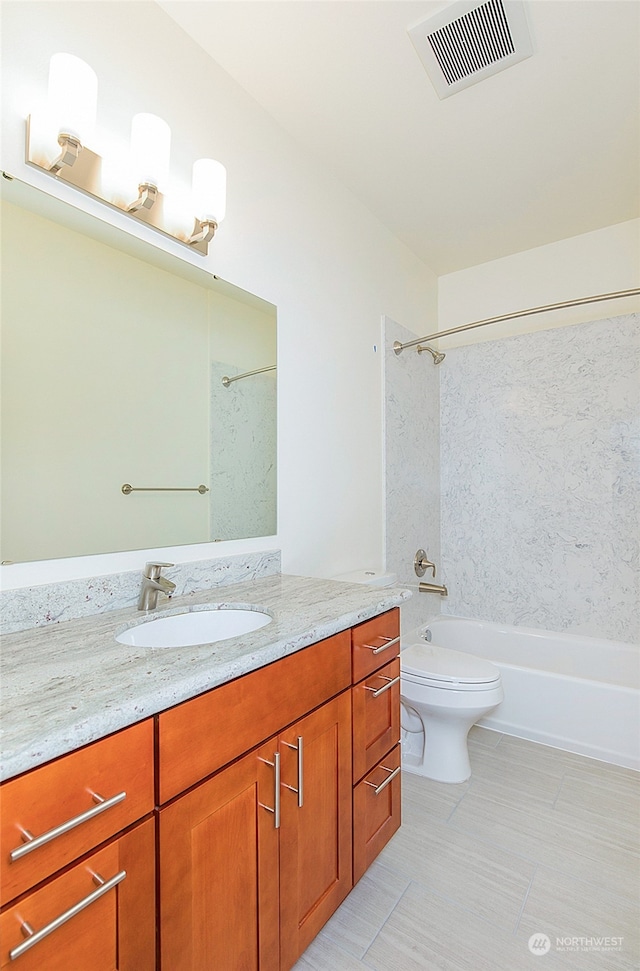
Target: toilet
443 693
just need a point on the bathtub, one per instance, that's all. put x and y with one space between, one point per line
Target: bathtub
580 694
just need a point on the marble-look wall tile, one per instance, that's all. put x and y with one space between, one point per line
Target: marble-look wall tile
243 455
540 462
52 603
412 476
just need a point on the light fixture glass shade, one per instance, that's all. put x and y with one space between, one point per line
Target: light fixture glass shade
150 149
209 189
72 96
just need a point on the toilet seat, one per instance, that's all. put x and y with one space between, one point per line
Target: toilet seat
446 669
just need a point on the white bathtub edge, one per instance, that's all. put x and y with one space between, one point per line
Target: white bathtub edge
570 745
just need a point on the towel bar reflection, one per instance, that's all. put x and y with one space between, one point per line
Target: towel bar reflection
128 489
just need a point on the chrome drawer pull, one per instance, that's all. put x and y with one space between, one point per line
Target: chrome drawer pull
276 799
300 789
385 687
32 843
34 937
383 647
383 785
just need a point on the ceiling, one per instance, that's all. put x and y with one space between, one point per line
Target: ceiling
548 149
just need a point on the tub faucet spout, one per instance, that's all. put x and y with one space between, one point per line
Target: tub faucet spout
433 588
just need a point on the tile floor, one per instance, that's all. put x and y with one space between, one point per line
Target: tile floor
537 842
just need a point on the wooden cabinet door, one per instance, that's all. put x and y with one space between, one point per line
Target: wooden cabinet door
316 837
113 932
219 883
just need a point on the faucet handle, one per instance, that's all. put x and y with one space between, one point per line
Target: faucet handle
421 564
153 571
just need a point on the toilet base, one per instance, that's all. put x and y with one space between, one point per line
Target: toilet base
440 751
445 757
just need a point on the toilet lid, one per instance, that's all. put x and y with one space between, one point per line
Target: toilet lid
442 664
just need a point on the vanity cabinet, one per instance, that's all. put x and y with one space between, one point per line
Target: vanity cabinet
376 737
255 859
250 810
83 809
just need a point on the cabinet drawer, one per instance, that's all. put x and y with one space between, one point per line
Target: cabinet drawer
115 929
376 811
62 791
376 717
374 643
200 736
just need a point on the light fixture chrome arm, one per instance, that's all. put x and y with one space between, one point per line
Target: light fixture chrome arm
203 232
71 148
398 347
148 194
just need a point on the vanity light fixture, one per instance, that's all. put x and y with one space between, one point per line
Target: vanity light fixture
70 118
150 149
71 106
209 192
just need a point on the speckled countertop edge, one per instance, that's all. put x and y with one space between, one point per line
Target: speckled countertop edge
69 684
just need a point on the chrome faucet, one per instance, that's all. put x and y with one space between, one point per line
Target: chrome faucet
154 583
421 564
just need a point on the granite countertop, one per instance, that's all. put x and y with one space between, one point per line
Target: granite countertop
71 683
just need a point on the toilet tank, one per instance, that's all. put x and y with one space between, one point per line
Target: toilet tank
371 578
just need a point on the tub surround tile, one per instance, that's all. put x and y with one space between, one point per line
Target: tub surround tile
541 479
71 683
412 460
242 500
54 603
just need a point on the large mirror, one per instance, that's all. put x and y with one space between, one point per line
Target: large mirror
113 355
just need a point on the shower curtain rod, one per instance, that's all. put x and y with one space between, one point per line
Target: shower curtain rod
238 377
398 347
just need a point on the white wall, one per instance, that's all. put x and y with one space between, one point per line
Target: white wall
292 235
603 261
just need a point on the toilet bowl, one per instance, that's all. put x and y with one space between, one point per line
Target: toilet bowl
443 693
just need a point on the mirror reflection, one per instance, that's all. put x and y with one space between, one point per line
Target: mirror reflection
113 355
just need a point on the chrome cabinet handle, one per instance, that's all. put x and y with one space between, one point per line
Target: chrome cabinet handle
33 842
34 937
300 789
383 785
383 647
276 799
385 687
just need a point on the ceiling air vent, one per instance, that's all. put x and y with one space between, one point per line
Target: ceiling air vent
470 41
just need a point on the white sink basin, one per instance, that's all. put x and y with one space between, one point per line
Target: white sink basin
195 627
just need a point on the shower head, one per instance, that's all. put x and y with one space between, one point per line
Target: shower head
438 356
